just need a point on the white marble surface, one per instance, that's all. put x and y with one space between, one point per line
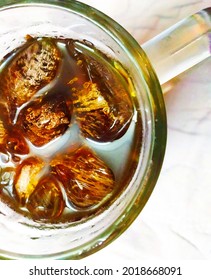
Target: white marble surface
176 222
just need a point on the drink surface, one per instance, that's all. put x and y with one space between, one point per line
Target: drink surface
69 130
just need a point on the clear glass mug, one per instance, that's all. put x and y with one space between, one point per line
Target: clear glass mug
22 238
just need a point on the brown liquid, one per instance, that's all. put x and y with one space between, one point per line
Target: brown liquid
68 130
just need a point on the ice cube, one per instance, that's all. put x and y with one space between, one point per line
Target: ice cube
101 117
6 176
15 143
87 180
45 119
11 138
29 70
46 201
3 132
27 176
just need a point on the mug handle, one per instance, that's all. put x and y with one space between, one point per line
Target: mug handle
181 46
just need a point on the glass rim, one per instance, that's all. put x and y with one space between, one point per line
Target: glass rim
159 127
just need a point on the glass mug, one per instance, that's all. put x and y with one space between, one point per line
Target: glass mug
23 238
